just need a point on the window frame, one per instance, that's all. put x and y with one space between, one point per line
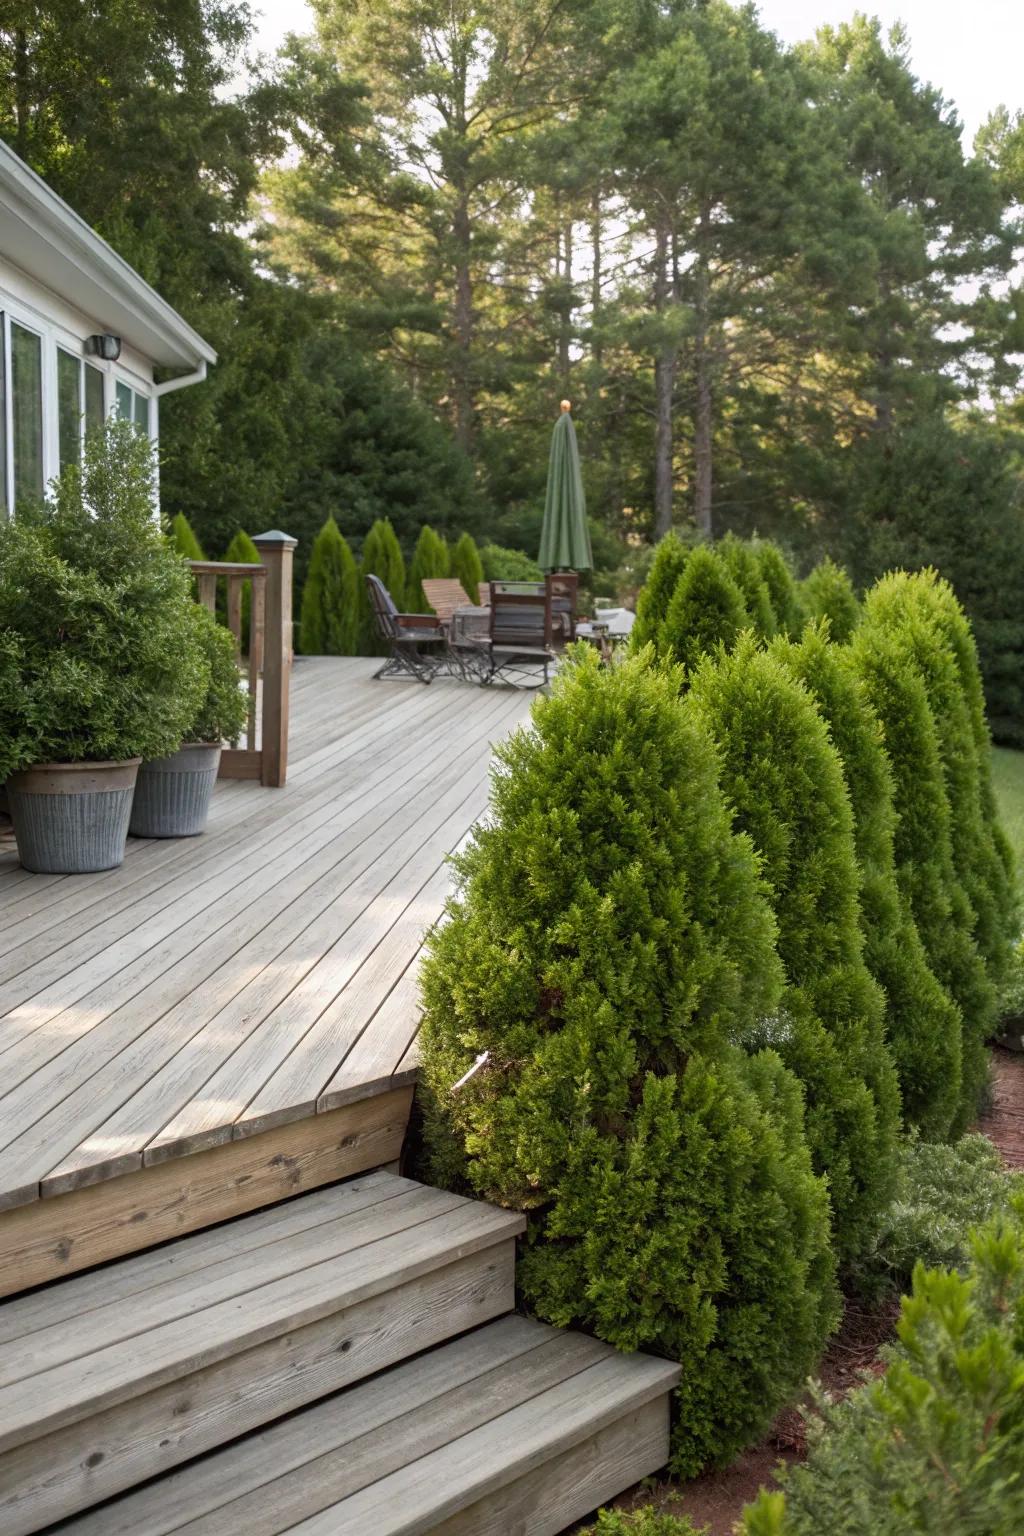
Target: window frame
55 337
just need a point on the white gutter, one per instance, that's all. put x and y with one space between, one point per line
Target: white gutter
182 382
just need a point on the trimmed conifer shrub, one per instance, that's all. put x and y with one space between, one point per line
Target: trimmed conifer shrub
670 557
382 557
431 558
827 593
329 622
923 1024
925 869
467 566
706 611
782 587
784 778
610 948
241 551
745 569
920 612
183 538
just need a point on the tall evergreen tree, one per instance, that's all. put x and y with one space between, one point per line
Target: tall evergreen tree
382 557
467 565
329 621
431 558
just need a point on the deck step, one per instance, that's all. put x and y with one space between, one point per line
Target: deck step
118 1374
516 1429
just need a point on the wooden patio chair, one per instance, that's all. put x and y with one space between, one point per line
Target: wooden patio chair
518 645
416 640
445 594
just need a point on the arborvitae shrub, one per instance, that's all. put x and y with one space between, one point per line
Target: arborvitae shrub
611 949
431 558
935 1444
923 1023
925 869
745 569
782 588
920 612
183 538
827 593
467 566
785 781
329 623
241 551
656 593
382 557
706 611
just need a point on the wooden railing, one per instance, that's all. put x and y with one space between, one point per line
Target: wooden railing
269 661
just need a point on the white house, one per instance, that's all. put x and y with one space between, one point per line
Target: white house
80 335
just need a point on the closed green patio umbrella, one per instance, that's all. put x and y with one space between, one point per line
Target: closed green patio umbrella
565 537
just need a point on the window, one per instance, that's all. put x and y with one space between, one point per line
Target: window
95 415
3 417
27 412
69 408
132 406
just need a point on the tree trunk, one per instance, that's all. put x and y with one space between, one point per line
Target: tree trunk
704 414
565 315
22 105
462 380
665 365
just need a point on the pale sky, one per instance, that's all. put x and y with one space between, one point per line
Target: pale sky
974 53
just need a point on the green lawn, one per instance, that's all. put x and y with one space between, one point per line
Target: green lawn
1008 778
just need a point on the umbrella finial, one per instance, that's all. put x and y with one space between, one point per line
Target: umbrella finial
566 405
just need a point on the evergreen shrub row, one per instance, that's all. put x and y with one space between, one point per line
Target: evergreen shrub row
713 945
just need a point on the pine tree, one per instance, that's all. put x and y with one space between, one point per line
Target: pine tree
925 867
670 557
382 557
784 778
923 1024
329 624
467 567
183 539
827 593
431 558
706 611
610 948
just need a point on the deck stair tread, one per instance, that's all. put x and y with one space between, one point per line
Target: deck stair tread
108 1336
417 1446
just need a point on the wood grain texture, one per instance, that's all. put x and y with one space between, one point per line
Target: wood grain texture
52 1238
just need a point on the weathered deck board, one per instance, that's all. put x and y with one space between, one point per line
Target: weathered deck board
212 988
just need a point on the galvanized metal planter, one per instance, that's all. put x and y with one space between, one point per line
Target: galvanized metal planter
72 818
172 796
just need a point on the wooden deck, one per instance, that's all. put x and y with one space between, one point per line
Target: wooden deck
214 989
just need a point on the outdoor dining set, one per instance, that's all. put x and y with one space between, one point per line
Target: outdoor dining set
513 633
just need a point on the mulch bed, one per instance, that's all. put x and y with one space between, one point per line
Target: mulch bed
717 1499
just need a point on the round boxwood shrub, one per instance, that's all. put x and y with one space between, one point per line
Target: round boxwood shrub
923 1024
611 951
99 659
431 558
782 588
706 611
785 781
925 869
827 593
670 557
920 612
329 621
745 569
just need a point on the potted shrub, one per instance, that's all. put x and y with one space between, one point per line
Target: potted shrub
172 795
99 662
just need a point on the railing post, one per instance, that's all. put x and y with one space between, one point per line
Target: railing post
276 554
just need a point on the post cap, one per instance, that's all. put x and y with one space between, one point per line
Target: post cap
566 405
275 536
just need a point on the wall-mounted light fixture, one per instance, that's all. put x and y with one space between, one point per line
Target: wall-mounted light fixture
106 346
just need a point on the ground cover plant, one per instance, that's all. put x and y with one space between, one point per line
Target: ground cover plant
937 1443
784 779
611 949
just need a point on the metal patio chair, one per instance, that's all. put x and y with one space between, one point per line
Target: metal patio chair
518 646
417 640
